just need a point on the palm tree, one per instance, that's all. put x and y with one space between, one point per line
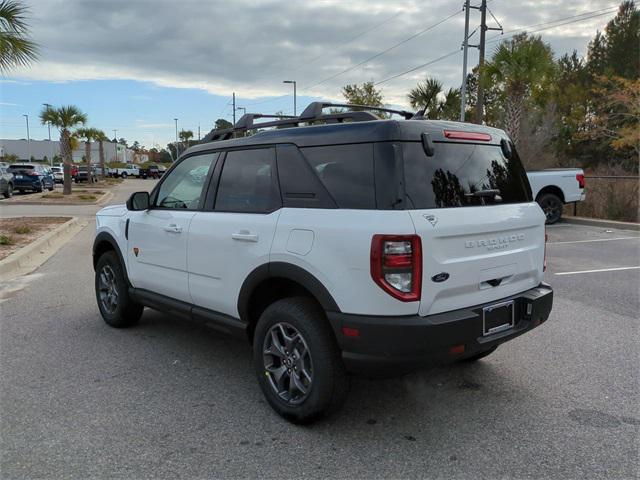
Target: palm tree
64 118
88 135
436 103
520 66
101 137
425 96
15 48
185 136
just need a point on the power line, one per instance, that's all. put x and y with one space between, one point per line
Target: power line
592 14
431 62
379 54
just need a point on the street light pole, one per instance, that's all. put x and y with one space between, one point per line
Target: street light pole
176 120
28 136
115 143
244 110
295 94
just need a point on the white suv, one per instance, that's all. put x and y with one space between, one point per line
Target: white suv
369 246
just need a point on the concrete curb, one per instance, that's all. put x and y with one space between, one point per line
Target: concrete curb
103 198
31 256
596 222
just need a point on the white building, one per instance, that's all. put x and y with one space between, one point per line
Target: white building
39 149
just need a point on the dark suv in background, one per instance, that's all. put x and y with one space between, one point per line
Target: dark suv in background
30 176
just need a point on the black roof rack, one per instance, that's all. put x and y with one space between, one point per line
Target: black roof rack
311 114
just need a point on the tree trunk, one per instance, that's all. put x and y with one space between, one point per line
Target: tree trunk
104 174
65 153
513 116
87 159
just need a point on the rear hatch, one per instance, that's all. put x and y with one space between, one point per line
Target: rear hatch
482 235
23 174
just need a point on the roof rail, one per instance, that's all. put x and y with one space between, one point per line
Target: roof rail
311 114
314 110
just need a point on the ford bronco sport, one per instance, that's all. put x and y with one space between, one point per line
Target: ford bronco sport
335 243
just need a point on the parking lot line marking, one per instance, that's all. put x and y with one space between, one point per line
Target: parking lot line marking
594 240
600 270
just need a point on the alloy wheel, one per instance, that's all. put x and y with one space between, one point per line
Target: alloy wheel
287 363
108 289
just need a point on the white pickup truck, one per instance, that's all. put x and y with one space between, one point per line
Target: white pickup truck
554 187
129 171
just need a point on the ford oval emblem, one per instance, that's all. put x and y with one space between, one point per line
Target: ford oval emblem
440 277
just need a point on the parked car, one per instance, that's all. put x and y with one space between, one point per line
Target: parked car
365 246
154 171
6 182
83 174
554 187
129 171
31 176
58 174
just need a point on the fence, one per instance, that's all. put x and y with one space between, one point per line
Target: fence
613 197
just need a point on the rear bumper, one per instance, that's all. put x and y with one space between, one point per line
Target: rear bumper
27 184
395 345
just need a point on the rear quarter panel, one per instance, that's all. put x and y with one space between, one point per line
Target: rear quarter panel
334 246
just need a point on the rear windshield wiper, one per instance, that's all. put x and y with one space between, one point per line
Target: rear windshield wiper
491 193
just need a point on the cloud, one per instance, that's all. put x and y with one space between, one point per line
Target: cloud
250 46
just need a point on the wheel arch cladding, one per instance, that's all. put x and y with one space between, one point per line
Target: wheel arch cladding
557 191
104 242
274 281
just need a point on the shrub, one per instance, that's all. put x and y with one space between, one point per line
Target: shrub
6 240
23 230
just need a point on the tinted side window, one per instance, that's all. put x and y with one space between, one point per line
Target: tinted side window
347 173
183 188
248 182
456 171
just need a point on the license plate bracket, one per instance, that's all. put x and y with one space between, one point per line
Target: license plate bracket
498 317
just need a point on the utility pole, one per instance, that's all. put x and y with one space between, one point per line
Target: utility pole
198 131
234 108
465 46
28 137
483 31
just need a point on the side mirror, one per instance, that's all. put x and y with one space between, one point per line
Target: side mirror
138 201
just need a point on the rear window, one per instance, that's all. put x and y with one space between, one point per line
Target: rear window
347 173
20 168
450 177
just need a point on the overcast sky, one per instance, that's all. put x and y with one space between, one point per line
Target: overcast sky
135 65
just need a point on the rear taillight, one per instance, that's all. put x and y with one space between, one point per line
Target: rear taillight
546 237
396 265
31 173
580 179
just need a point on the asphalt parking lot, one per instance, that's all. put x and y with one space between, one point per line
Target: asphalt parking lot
171 399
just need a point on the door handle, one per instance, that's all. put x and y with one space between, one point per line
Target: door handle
245 236
173 228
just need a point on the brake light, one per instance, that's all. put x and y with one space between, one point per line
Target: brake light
458 135
580 179
396 265
546 237
31 173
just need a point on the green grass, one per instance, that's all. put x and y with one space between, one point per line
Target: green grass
53 195
87 197
23 230
6 240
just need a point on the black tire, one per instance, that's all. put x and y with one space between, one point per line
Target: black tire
125 312
123 175
9 191
478 356
42 187
551 205
329 383
51 187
